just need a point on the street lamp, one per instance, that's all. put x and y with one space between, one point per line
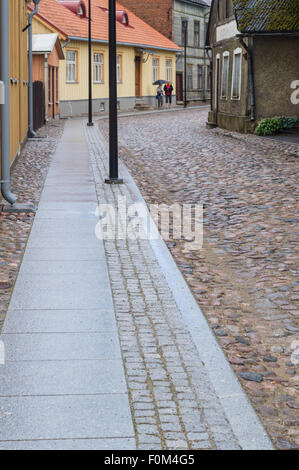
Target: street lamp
185 29
90 123
113 133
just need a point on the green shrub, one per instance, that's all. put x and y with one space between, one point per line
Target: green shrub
287 123
268 126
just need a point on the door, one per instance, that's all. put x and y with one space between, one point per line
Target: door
138 76
179 86
38 105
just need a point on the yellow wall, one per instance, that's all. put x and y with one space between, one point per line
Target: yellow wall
126 88
148 89
19 70
79 90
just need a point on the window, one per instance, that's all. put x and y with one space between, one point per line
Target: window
208 77
190 77
98 68
225 70
118 68
71 66
184 32
196 34
200 77
206 32
155 70
236 77
169 70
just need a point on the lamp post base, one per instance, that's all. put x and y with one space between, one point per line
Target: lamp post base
90 124
114 181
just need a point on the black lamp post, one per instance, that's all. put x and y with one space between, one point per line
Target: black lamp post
113 131
185 28
90 123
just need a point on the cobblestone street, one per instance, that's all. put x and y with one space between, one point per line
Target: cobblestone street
246 276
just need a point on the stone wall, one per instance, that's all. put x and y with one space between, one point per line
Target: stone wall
276 62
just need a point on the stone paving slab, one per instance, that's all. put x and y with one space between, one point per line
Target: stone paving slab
58 291
71 444
60 346
65 417
60 267
73 377
60 321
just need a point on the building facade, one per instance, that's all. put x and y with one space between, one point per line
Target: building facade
143 56
167 16
255 61
47 54
18 84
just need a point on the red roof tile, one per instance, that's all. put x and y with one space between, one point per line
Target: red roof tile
137 33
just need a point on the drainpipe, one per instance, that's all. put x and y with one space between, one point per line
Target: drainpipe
249 50
46 80
5 107
66 43
31 132
207 50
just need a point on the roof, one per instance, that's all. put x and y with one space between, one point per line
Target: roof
137 33
45 43
267 16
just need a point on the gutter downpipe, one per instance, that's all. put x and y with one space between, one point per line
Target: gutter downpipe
46 79
249 50
31 132
207 50
5 107
66 43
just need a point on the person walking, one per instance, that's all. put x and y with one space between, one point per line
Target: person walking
159 96
168 89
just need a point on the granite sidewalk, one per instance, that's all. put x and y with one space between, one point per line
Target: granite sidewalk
105 346
63 384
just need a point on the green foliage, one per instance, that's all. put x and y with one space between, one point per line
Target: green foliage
268 127
271 126
287 123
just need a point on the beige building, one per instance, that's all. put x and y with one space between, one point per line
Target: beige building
255 59
143 55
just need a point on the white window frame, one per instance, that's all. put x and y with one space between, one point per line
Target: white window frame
222 95
118 68
155 64
98 68
168 70
71 67
239 52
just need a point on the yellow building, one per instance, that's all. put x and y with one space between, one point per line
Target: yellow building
143 55
18 74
